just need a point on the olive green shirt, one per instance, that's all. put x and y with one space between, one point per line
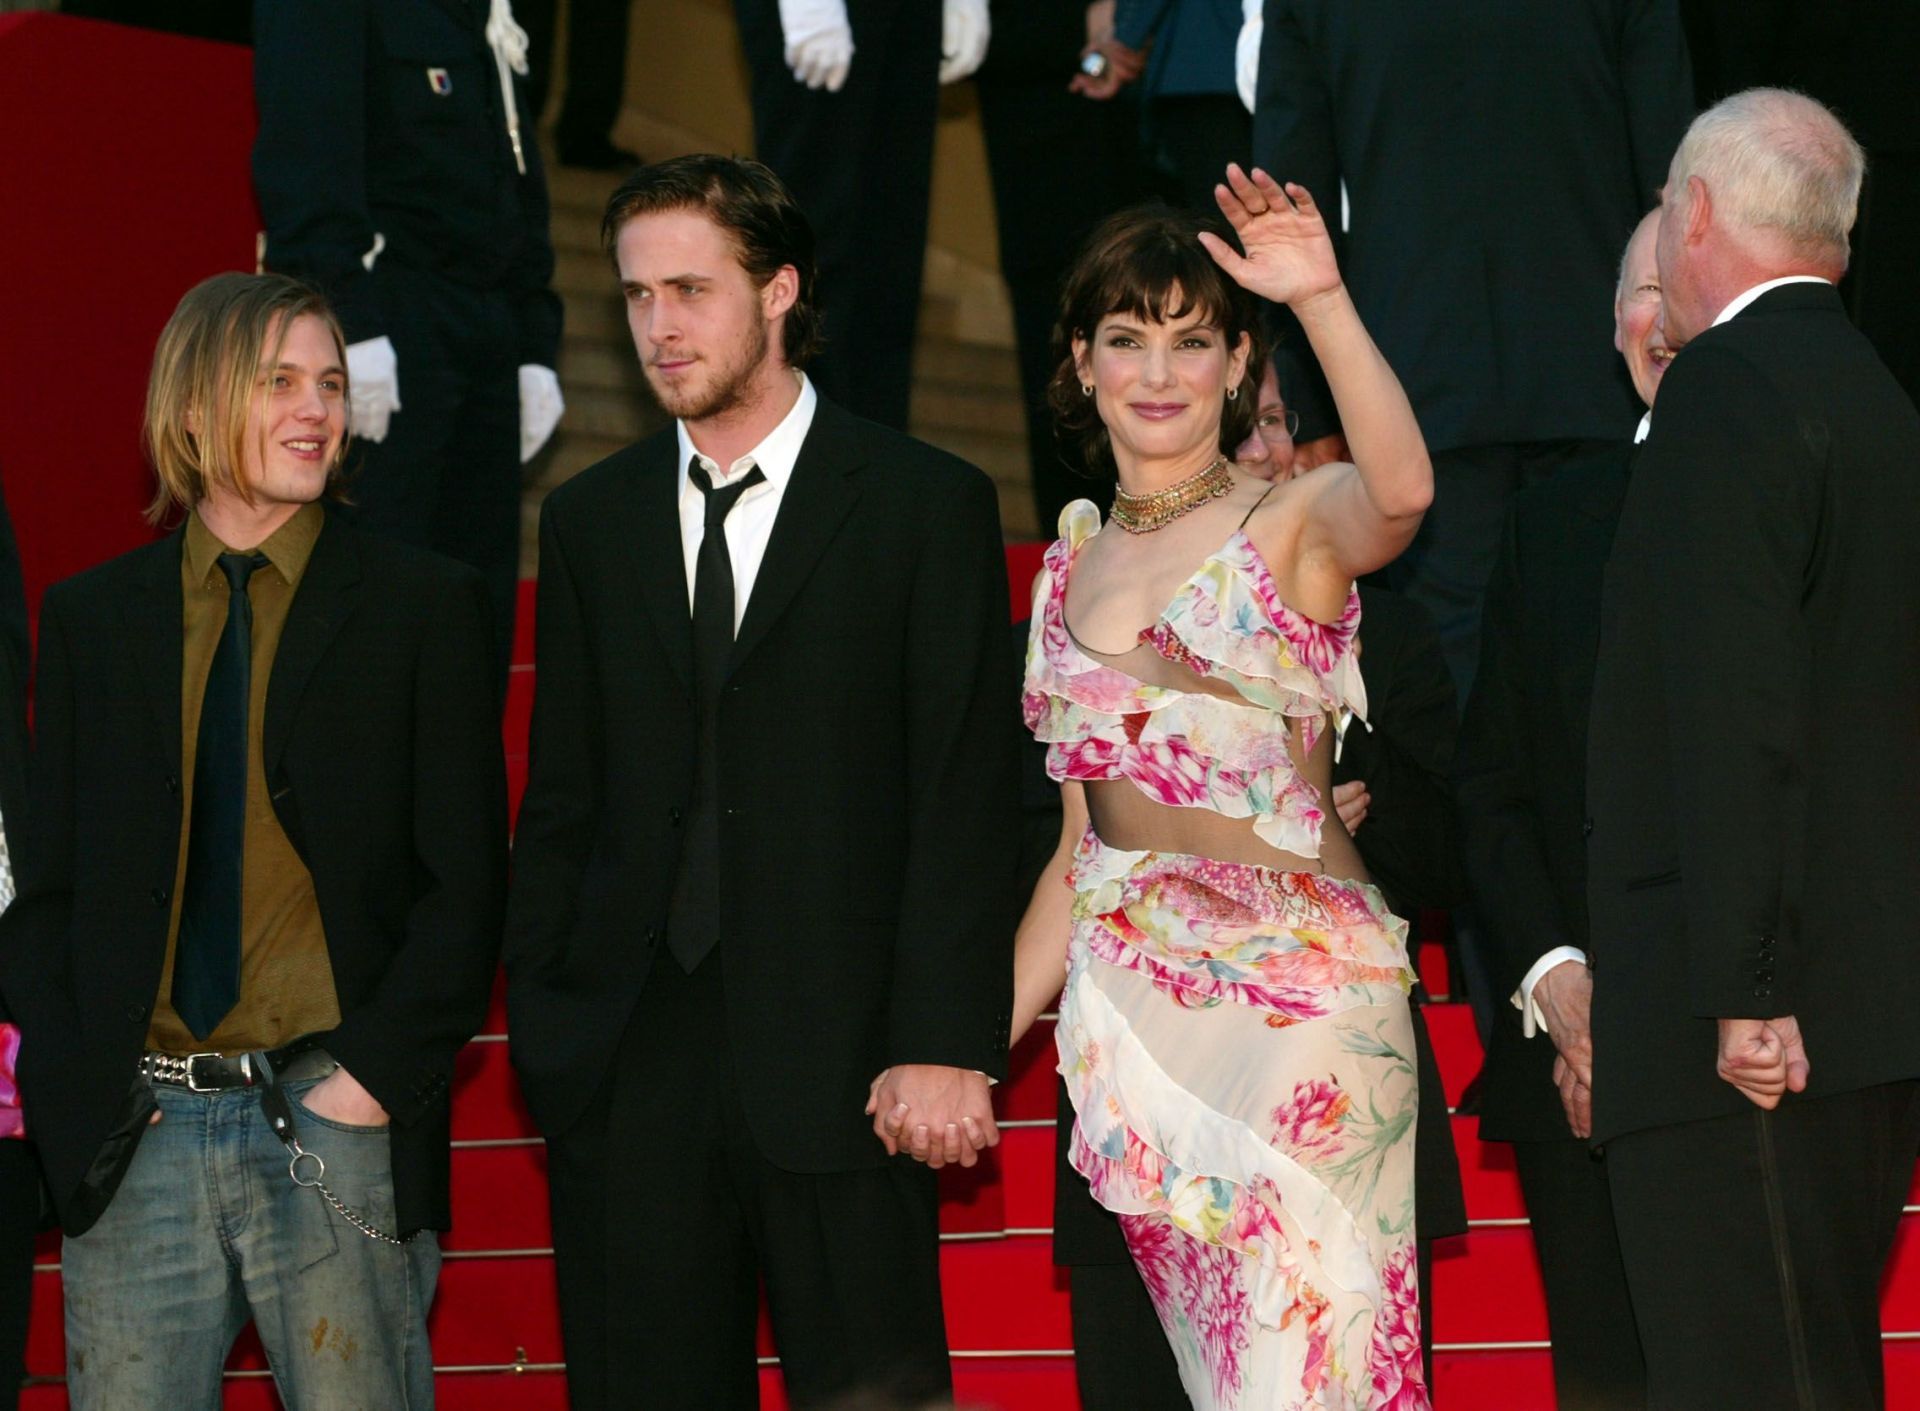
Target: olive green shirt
286 978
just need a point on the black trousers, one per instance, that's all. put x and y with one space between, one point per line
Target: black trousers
1597 1364
1447 566
19 1219
596 65
447 476
667 1220
1036 133
860 163
1190 139
1754 1245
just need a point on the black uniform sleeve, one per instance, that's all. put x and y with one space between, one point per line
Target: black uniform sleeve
309 156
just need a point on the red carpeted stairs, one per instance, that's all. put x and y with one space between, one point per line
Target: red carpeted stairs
496 1331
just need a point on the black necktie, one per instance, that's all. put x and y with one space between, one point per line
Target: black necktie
693 926
206 962
713 582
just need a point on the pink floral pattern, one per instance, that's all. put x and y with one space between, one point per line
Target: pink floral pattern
1308 1125
1399 1382
1226 622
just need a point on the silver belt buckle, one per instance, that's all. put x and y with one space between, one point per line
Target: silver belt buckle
193 1084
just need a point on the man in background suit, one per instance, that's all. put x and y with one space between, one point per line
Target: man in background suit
397 171
1754 788
766 851
260 894
1519 777
845 97
1497 154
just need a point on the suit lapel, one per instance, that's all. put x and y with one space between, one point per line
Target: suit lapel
327 595
154 615
823 488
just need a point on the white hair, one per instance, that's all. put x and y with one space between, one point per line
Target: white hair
1777 162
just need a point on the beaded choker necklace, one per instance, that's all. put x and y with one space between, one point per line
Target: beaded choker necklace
1142 514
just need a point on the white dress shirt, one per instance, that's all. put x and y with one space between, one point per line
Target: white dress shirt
1532 1021
750 525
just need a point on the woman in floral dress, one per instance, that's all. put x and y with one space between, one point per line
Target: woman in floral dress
1234 1030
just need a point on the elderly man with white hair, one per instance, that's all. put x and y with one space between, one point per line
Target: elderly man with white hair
1754 793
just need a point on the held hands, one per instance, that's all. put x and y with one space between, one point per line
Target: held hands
338 1097
1764 1058
819 42
1564 996
1289 255
934 1113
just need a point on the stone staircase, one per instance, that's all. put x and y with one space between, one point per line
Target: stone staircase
966 396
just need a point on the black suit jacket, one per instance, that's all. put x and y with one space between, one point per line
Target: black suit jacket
384 762
866 780
385 117
1498 154
1754 758
1520 774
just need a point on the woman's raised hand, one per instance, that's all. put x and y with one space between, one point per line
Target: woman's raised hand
1289 255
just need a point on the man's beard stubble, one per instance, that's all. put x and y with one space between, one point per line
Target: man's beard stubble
729 390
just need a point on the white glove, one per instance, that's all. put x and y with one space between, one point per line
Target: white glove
1246 51
540 408
373 387
965 30
819 41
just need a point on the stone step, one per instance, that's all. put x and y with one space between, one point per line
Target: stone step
601 364
954 362
583 272
596 411
946 406
597 314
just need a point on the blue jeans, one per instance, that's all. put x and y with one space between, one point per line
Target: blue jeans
207 1230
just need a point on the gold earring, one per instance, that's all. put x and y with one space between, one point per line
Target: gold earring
1086 389
1233 393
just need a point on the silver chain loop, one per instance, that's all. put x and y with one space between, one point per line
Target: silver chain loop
345 1212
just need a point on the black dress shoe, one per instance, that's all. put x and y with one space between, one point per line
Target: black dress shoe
597 154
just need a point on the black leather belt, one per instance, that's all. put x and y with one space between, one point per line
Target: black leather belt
216 1072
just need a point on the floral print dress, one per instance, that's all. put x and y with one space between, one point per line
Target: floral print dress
1235 1038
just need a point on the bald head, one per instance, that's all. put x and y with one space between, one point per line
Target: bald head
1765 183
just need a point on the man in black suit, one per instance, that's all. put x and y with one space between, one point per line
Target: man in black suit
1497 154
766 852
846 94
1754 791
397 171
1519 777
260 895
19 1169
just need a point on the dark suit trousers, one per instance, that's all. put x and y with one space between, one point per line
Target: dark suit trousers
19 1218
447 476
1754 1246
1447 566
1190 139
860 163
667 1218
596 65
1596 1348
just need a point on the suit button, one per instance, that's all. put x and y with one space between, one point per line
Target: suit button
1762 992
1586 827
173 786
136 1013
1765 977
159 895
674 816
653 935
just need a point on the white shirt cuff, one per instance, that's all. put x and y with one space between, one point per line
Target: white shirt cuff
1532 1021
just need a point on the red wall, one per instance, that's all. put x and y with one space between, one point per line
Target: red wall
123 181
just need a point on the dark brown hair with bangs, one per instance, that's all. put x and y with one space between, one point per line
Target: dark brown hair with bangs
1149 264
